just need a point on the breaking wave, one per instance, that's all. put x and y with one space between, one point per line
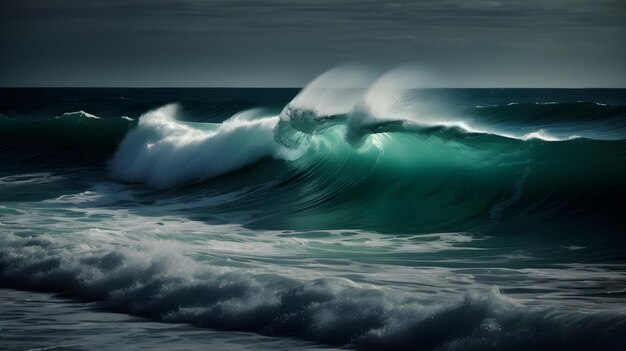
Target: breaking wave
153 281
356 151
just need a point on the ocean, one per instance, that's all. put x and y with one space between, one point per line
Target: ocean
316 218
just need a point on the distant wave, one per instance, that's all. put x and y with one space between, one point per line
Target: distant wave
78 114
77 138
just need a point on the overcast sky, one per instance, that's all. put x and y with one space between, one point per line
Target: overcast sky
464 43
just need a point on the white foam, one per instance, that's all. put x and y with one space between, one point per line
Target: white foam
163 152
29 178
540 134
155 281
80 113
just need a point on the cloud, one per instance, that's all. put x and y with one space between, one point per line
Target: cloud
343 14
68 38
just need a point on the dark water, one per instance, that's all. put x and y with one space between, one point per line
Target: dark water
365 218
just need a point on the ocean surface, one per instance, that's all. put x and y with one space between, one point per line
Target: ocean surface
373 218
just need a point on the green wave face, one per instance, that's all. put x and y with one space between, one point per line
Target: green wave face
395 179
434 180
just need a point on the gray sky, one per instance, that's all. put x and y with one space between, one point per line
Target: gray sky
464 43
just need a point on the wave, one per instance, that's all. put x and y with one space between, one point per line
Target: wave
78 114
548 103
153 281
368 156
565 119
86 138
350 170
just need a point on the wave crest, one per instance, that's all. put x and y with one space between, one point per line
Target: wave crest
164 152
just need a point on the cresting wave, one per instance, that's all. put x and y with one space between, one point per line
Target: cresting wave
153 282
339 155
365 158
165 152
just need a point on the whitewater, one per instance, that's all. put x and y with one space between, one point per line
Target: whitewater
358 212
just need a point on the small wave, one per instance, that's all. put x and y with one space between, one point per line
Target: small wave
543 135
29 178
545 103
78 114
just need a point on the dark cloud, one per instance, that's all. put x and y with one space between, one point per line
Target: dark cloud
275 42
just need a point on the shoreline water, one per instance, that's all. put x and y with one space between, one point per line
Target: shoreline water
44 321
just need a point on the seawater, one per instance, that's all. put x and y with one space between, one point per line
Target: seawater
370 217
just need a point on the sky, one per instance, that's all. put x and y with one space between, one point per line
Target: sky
286 43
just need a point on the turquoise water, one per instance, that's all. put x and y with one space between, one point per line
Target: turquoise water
328 217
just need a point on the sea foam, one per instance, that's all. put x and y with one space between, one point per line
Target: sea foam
153 280
164 152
